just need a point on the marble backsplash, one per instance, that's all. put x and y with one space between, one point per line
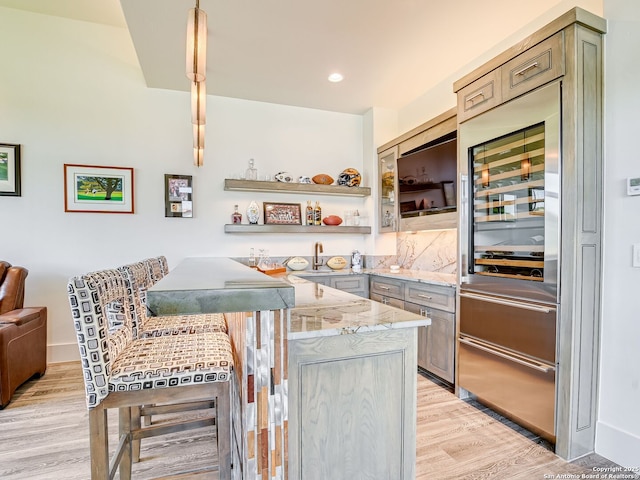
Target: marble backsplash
431 251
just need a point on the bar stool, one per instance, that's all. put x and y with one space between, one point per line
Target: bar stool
141 276
121 371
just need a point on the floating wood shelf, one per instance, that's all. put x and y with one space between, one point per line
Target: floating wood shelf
240 228
303 188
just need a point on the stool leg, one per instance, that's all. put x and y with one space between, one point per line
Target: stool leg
223 426
99 443
135 425
124 416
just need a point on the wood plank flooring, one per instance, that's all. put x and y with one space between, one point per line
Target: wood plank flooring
44 436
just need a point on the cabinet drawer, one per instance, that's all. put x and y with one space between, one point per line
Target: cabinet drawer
537 66
387 287
392 302
356 284
479 96
435 296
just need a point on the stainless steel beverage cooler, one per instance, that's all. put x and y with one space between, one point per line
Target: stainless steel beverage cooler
510 204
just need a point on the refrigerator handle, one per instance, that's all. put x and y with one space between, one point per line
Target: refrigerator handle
509 303
540 367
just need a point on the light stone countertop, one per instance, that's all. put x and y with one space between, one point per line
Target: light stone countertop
325 311
217 285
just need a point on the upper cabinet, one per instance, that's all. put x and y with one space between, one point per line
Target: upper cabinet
388 190
417 178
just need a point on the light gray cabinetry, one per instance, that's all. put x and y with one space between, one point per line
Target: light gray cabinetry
416 176
387 287
352 400
436 343
352 283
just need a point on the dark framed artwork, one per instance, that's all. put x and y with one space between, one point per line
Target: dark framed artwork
178 196
282 214
98 189
10 169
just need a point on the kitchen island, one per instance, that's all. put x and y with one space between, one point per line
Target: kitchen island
326 381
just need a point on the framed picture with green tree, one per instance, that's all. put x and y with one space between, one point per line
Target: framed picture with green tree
98 189
10 169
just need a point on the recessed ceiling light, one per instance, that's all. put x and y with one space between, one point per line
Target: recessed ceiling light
335 77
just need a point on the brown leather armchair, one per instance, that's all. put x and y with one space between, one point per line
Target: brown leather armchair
23 334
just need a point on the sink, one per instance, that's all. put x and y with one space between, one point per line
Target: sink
304 273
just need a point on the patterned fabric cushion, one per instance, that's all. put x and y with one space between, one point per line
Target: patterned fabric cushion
88 296
184 324
172 361
157 267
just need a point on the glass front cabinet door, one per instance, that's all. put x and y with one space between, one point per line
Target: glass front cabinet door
388 190
509 205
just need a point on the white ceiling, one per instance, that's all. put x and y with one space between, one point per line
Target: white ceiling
281 51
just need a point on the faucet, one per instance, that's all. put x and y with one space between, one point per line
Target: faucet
316 261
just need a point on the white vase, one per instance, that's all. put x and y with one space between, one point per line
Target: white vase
253 213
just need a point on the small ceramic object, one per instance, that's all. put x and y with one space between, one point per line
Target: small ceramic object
332 220
322 179
350 177
253 213
395 268
336 263
284 177
304 179
297 263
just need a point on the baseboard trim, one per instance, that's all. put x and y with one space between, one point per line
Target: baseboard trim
618 446
63 352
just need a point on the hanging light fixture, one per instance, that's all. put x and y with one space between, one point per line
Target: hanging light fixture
198 103
198 145
197 44
196 72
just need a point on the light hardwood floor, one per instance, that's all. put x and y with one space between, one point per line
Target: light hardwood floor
44 436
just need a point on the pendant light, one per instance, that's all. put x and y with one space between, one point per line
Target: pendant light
197 44
196 71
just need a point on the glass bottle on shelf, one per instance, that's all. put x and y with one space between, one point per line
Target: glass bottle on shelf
309 214
236 216
252 171
317 214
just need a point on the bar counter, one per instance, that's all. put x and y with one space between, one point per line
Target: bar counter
325 380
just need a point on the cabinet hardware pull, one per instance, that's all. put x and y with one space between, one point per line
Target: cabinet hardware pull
422 295
535 366
382 287
535 308
528 67
472 97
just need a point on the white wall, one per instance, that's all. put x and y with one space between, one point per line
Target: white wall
72 92
618 431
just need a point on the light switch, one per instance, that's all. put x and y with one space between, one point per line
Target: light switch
636 255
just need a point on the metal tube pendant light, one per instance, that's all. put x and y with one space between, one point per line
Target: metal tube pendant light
198 145
198 103
197 44
196 72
